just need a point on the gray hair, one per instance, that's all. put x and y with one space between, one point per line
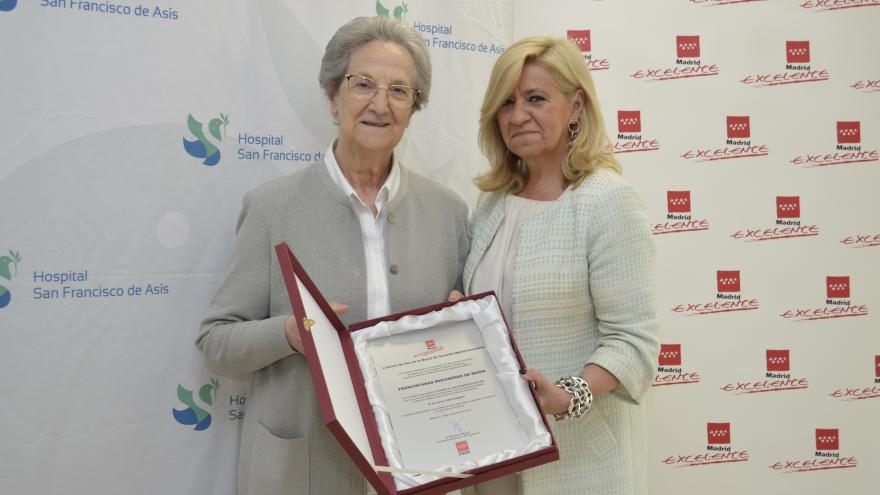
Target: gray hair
362 30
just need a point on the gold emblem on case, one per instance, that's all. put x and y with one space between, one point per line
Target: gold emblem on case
307 324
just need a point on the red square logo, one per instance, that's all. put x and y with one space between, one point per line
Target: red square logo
580 38
728 280
877 366
718 433
837 286
687 46
827 439
738 127
788 206
462 447
678 201
430 344
777 360
797 52
849 132
629 121
670 355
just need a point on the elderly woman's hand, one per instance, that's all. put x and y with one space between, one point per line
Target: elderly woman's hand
553 399
454 296
291 332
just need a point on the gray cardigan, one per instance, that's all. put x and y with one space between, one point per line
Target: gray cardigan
285 447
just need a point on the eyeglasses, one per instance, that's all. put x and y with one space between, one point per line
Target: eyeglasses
365 88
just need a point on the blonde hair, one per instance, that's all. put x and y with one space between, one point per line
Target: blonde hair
589 150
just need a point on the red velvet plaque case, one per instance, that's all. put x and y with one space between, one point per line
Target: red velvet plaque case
339 386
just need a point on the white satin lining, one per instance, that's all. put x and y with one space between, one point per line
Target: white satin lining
487 315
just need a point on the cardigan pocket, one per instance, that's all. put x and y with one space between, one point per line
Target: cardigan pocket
601 437
278 465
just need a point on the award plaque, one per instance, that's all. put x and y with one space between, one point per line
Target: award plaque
425 401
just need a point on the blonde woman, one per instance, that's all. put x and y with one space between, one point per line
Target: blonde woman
563 240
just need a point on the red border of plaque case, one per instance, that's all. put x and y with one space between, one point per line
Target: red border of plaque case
383 481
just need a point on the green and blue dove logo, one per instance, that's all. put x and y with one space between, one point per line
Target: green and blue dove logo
13 259
202 147
194 415
398 13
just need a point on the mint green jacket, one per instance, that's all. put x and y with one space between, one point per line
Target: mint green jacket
584 292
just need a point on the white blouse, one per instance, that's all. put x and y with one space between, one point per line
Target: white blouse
495 270
372 231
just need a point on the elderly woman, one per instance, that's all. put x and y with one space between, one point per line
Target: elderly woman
564 242
363 226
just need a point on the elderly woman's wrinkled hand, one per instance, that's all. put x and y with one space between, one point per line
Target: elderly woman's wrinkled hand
291 331
454 296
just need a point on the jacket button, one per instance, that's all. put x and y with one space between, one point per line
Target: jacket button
394 269
391 217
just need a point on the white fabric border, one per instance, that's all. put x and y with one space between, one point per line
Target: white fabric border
487 315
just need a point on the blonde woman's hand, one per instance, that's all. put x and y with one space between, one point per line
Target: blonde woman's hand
553 399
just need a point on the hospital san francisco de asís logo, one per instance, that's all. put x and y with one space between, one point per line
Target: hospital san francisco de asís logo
7 5
8 269
194 415
203 146
441 35
398 12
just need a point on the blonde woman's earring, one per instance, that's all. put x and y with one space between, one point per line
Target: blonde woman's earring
574 127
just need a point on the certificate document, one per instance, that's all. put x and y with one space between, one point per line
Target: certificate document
444 401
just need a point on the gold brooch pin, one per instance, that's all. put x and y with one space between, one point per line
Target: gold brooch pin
307 324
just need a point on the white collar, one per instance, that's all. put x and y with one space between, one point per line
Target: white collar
387 192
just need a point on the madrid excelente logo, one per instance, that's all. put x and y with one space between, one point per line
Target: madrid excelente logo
193 414
14 258
7 5
202 147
